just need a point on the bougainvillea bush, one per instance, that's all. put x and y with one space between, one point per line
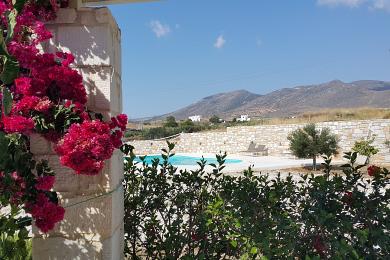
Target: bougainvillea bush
42 94
204 214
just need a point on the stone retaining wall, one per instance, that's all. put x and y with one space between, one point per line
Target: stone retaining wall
274 137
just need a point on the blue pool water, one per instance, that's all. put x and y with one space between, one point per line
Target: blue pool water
185 160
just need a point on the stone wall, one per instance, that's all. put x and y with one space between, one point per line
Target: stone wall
274 137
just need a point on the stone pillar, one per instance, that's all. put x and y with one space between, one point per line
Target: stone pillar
93 224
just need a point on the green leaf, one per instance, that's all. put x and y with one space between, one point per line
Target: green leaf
4 155
7 100
254 250
3 47
233 243
11 20
10 69
23 233
18 5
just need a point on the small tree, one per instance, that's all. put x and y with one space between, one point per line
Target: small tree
308 142
214 119
170 121
365 148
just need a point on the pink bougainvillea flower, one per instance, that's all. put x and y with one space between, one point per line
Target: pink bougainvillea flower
67 58
116 138
119 121
3 7
45 213
18 124
45 183
25 54
25 105
86 146
23 85
42 33
43 105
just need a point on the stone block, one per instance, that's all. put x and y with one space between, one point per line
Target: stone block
66 16
103 15
39 145
113 247
60 248
105 91
97 216
112 174
88 18
92 46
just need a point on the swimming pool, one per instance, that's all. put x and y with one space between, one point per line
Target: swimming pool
185 160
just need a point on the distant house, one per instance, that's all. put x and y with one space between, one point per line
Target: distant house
196 118
244 118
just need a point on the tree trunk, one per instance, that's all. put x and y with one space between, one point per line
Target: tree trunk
314 162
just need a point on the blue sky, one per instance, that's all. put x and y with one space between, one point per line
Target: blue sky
175 52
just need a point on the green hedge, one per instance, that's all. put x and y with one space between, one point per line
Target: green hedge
171 214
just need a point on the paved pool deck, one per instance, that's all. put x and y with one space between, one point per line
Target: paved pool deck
258 163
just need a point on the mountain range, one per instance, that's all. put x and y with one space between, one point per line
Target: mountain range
290 101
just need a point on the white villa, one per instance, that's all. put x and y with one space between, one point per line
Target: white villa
196 118
244 118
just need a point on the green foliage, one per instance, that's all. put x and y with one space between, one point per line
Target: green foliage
9 65
214 119
188 126
11 21
7 101
308 142
17 246
10 68
160 132
15 156
14 237
199 214
63 117
365 147
170 121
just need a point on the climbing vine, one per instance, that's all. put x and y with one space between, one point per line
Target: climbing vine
42 94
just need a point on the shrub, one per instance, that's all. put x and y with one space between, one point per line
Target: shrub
188 126
159 132
365 148
308 142
215 119
199 214
170 121
17 246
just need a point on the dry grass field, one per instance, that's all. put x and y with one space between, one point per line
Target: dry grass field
346 114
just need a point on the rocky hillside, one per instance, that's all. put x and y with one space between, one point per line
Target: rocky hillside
291 101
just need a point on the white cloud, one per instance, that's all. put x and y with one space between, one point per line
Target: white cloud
220 42
381 4
159 29
349 3
371 4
